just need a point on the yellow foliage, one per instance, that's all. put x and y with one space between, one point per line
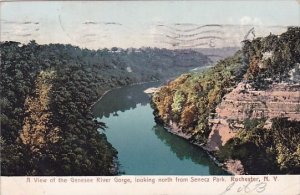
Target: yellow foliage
36 130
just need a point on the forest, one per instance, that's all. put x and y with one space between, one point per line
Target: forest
270 58
190 101
266 151
47 91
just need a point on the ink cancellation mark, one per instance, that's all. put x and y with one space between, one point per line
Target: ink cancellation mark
190 36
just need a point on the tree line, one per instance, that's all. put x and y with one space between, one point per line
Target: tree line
47 127
191 99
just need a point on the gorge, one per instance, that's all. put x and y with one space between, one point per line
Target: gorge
245 109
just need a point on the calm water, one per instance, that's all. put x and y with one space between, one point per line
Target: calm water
144 147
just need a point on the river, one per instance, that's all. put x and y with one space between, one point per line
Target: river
144 147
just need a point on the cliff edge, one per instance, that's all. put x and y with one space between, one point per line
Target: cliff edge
245 110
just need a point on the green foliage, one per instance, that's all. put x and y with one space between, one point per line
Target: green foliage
196 95
260 62
286 137
266 151
81 77
284 53
178 100
253 123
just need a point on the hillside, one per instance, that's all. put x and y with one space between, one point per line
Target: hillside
216 54
47 127
239 106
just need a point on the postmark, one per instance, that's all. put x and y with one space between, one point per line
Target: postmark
184 36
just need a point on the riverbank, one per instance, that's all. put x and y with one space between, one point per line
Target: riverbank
231 166
108 90
132 131
151 90
115 166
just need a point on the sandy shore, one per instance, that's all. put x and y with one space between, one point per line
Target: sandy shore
151 90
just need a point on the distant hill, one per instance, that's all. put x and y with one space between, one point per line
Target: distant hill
216 54
46 93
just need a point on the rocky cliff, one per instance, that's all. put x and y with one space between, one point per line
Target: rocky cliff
245 110
244 102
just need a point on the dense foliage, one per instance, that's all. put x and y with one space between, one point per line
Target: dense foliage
46 93
189 99
270 58
266 151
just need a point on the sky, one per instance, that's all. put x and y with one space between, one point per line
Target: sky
170 24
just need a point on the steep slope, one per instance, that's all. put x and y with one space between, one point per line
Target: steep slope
37 130
47 127
244 103
188 101
256 90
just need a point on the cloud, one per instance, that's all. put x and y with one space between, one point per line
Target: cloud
246 20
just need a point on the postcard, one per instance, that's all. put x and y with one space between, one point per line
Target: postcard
150 97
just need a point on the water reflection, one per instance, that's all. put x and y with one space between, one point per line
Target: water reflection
144 147
184 150
122 99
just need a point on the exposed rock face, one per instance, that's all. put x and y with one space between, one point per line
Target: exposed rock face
281 100
295 74
175 129
235 167
220 134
